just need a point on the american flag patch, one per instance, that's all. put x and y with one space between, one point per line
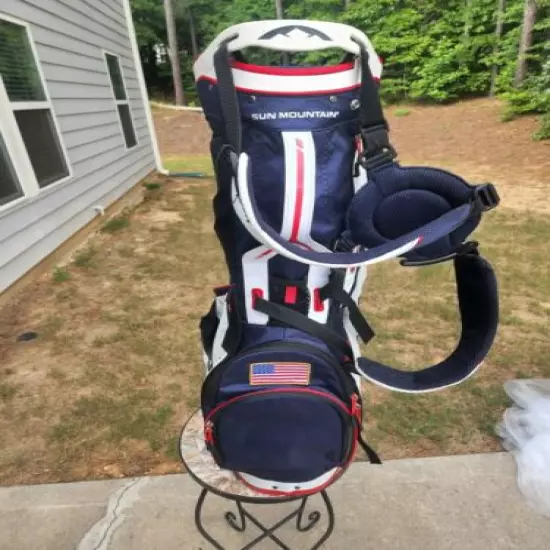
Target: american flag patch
270 374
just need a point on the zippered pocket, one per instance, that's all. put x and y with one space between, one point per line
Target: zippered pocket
288 435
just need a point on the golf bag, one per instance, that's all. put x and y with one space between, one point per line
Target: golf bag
309 194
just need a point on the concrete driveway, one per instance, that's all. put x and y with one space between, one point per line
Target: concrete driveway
451 503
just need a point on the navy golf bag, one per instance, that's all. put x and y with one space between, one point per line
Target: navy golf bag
309 194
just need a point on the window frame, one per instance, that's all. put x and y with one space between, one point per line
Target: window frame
119 102
22 162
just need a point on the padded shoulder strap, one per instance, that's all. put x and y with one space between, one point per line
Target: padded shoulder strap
479 311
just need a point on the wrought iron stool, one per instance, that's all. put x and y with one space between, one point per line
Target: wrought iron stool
223 483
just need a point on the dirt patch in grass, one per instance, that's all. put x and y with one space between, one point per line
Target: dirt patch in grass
116 369
467 137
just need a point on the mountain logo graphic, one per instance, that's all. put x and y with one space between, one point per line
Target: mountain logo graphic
295 31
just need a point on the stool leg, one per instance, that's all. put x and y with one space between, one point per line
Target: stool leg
313 518
198 521
232 519
330 514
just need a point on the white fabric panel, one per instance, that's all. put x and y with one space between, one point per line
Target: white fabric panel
289 487
256 275
357 277
218 352
361 179
253 34
301 178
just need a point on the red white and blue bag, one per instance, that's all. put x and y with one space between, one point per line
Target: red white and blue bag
310 194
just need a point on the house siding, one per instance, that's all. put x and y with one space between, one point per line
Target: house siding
71 37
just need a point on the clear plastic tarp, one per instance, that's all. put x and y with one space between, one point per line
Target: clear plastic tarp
525 432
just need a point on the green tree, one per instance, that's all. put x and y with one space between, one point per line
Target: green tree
433 50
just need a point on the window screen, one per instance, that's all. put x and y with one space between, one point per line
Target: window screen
121 100
17 65
42 143
116 76
9 183
127 125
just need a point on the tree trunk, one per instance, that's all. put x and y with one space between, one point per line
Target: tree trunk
526 40
193 33
347 3
281 15
501 8
173 52
279 9
467 19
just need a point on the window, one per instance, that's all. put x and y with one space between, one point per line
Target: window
9 182
30 106
121 98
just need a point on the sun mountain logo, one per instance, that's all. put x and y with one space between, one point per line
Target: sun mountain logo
292 115
296 32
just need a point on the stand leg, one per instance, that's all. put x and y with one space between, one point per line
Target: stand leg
239 523
330 514
232 519
313 518
198 521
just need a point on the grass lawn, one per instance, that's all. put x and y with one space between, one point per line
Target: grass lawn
116 369
195 163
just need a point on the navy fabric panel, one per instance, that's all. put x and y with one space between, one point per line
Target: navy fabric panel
335 150
260 108
235 377
256 335
399 200
264 118
267 170
274 427
429 233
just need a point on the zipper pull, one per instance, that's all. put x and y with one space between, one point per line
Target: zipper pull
209 432
356 407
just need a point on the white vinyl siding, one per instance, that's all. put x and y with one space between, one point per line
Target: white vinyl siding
71 38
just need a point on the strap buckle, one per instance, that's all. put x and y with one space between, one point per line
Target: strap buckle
485 197
378 149
470 247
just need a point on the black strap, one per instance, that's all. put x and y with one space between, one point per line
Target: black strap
301 322
228 97
374 127
371 113
369 451
335 290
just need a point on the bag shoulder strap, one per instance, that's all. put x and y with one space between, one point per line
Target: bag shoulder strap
479 311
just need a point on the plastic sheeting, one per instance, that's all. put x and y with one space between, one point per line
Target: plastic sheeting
525 432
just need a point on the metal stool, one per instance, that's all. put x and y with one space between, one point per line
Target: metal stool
223 483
